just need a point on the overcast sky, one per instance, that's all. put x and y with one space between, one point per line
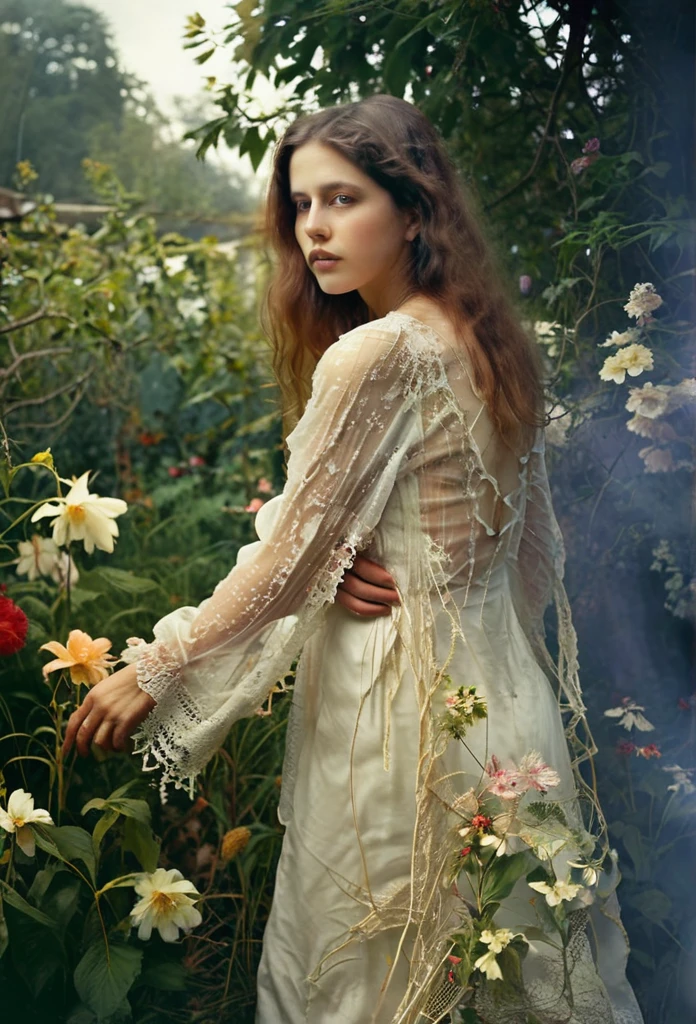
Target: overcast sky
148 35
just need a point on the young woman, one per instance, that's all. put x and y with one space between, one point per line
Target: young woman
435 851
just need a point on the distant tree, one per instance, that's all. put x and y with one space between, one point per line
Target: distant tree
59 78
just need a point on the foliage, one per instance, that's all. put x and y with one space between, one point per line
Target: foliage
64 97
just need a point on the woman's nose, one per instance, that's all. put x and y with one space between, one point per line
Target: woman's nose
315 223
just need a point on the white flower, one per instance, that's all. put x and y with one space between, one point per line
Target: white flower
535 774
632 359
83 516
642 301
589 874
683 393
18 818
656 430
148 275
682 778
557 427
175 264
167 904
557 892
620 338
631 716
497 938
652 400
41 556
489 966
192 309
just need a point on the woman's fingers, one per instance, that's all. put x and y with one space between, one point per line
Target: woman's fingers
372 572
368 592
103 735
363 608
83 737
74 722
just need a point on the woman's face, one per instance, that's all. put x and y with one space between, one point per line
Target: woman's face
342 212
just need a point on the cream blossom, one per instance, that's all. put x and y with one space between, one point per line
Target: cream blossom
167 903
19 817
589 874
497 939
657 460
175 264
681 778
620 338
642 301
631 360
41 556
557 892
656 430
86 658
504 782
631 716
652 400
83 516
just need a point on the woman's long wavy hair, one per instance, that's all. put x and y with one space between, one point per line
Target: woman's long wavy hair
452 263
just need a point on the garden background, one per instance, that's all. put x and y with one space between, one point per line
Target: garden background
130 348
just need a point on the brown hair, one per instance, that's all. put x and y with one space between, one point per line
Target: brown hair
392 142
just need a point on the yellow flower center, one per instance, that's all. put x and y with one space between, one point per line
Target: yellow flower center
19 822
76 514
162 903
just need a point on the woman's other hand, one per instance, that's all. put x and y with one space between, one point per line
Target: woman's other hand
367 589
109 714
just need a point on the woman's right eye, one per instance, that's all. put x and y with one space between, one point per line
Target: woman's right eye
302 205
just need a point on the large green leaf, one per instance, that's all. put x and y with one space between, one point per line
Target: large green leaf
74 843
13 899
103 978
138 839
502 875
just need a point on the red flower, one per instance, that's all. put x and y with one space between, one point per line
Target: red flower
450 977
196 460
652 750
13 627
625 747
454 959
465 852
175 471
481 821
683 704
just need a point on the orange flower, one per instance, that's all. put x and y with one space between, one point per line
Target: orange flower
86 658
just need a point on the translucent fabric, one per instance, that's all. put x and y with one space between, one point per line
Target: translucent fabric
395 456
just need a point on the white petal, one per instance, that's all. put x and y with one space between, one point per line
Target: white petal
6 821
168 930
20 805
47 510
41 816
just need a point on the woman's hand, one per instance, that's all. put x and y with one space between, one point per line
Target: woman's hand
367 589
109 714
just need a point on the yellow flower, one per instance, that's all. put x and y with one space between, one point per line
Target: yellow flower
86 658
18 818
83 516
43 458
631 359
234 841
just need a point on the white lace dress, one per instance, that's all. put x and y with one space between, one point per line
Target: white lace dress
396 457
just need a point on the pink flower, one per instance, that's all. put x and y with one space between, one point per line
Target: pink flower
535 774
504 781
525 284
254 505
196 460
625 747
175 471
591 146
264 486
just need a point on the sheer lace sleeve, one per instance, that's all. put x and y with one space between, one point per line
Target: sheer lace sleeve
211 665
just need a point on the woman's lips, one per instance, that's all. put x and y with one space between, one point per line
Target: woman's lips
325 263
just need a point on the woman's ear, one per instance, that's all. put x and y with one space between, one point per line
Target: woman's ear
412 225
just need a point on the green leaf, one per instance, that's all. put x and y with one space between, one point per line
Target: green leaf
108 818
129 808
68 843
4 935
503 873
138 839
167 977
653 904
13 899
106 579
95 804
103 980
